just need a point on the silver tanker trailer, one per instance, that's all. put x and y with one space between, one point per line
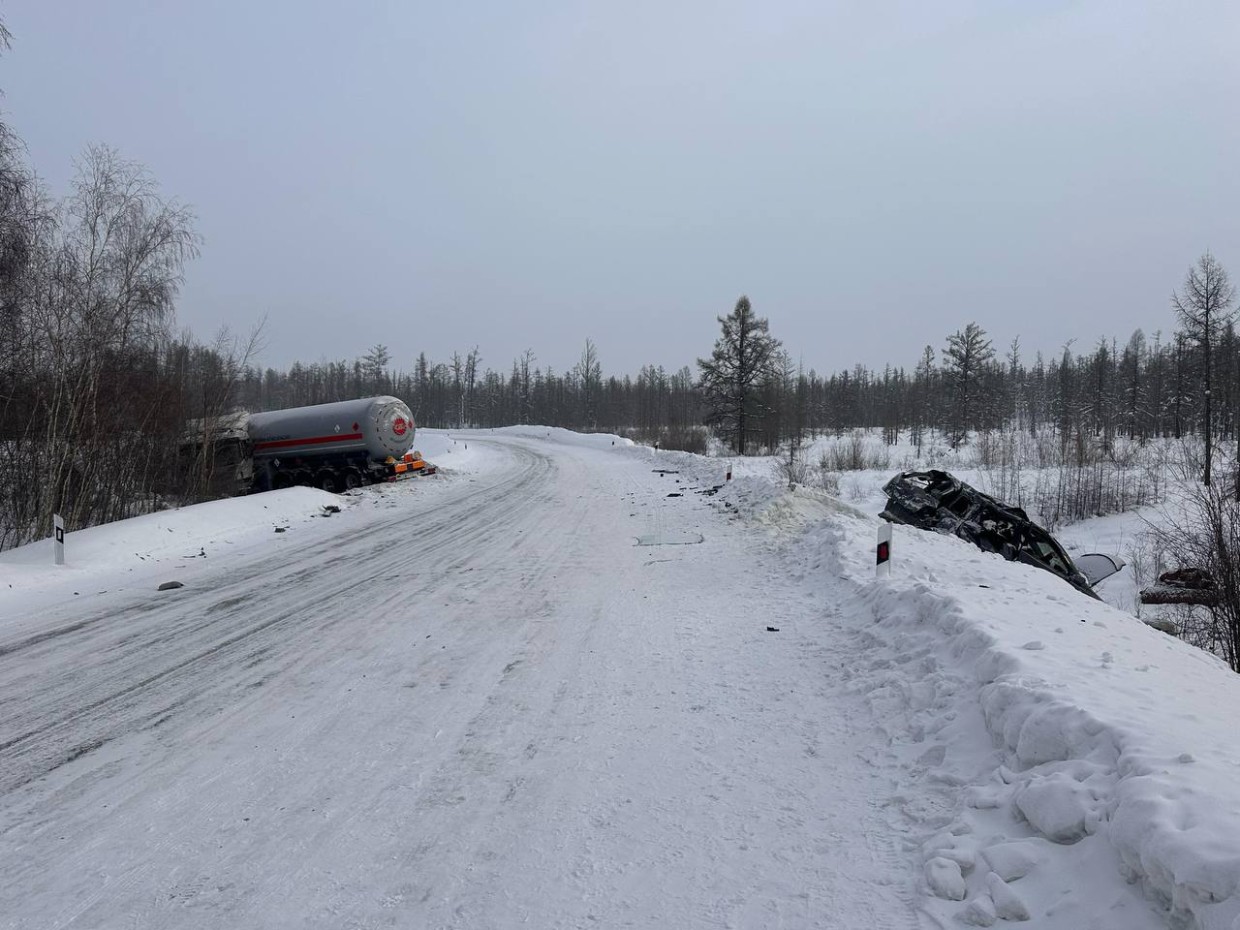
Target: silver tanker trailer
335 447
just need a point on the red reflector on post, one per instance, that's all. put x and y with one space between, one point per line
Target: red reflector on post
882 563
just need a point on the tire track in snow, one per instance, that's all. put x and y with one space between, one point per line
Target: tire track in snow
106 686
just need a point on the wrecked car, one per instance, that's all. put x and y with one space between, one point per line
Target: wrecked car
935 500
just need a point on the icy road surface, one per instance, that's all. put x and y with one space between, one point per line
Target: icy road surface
479 706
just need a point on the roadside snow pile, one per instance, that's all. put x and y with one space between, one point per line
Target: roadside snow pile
147 546
1111 749
167 533
449 449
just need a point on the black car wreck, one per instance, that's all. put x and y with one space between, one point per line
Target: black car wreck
935 500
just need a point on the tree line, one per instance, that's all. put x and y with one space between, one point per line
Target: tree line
755 398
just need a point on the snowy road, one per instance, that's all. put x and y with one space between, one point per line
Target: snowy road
481 708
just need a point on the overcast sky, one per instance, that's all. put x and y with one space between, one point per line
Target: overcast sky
434 176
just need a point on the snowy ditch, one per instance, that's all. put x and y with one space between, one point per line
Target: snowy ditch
1108 762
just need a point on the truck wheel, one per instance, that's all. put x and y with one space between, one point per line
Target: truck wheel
352 479
281 480
326 480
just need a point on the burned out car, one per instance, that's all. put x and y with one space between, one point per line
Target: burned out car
935 500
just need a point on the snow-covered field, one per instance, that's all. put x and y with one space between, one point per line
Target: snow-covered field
557 687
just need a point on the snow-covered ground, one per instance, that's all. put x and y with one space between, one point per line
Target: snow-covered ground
569 683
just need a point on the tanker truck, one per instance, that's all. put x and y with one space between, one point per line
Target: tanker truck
336 447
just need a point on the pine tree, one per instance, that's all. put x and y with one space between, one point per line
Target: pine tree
967 353
743 358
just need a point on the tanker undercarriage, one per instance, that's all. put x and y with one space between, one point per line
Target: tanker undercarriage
336 477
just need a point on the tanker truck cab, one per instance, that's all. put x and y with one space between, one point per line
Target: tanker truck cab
214 455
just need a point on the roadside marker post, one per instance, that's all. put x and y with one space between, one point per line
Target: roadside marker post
882 563
729 475
58 539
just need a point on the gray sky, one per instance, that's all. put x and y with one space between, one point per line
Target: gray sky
434 176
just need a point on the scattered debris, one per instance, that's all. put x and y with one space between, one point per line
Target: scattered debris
772 629
670 539
168 586
1182 586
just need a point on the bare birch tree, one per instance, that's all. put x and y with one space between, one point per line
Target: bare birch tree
102 309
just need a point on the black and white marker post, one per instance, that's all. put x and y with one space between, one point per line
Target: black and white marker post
58 539
882 564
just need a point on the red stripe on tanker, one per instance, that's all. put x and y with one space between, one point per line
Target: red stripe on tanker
315 440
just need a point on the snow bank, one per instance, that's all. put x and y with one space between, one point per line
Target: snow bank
170 545
164 534
450 449
1113 751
